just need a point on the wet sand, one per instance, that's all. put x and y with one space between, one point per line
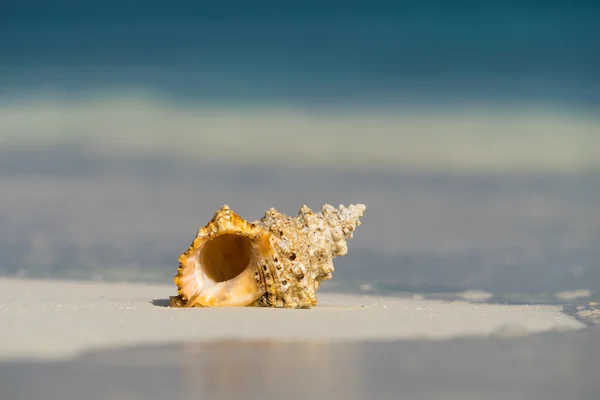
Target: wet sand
60 319
539 367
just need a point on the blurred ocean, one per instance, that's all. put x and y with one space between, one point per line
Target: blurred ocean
470 131
309 54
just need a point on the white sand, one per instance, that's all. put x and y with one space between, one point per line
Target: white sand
53 319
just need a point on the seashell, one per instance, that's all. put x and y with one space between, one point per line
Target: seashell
277 261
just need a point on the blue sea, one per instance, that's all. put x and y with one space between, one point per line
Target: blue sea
309 53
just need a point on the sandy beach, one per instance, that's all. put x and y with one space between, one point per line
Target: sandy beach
60 319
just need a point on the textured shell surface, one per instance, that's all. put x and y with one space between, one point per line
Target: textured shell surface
277 261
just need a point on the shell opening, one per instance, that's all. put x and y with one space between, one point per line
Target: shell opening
226 256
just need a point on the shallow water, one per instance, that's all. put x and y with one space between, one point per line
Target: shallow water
521 237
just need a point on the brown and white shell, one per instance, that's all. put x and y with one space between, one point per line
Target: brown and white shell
277 261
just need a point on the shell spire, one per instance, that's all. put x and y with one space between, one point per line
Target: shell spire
277 261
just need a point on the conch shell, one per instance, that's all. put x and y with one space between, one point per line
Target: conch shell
277 261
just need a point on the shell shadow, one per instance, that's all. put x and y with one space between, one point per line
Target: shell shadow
160 302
